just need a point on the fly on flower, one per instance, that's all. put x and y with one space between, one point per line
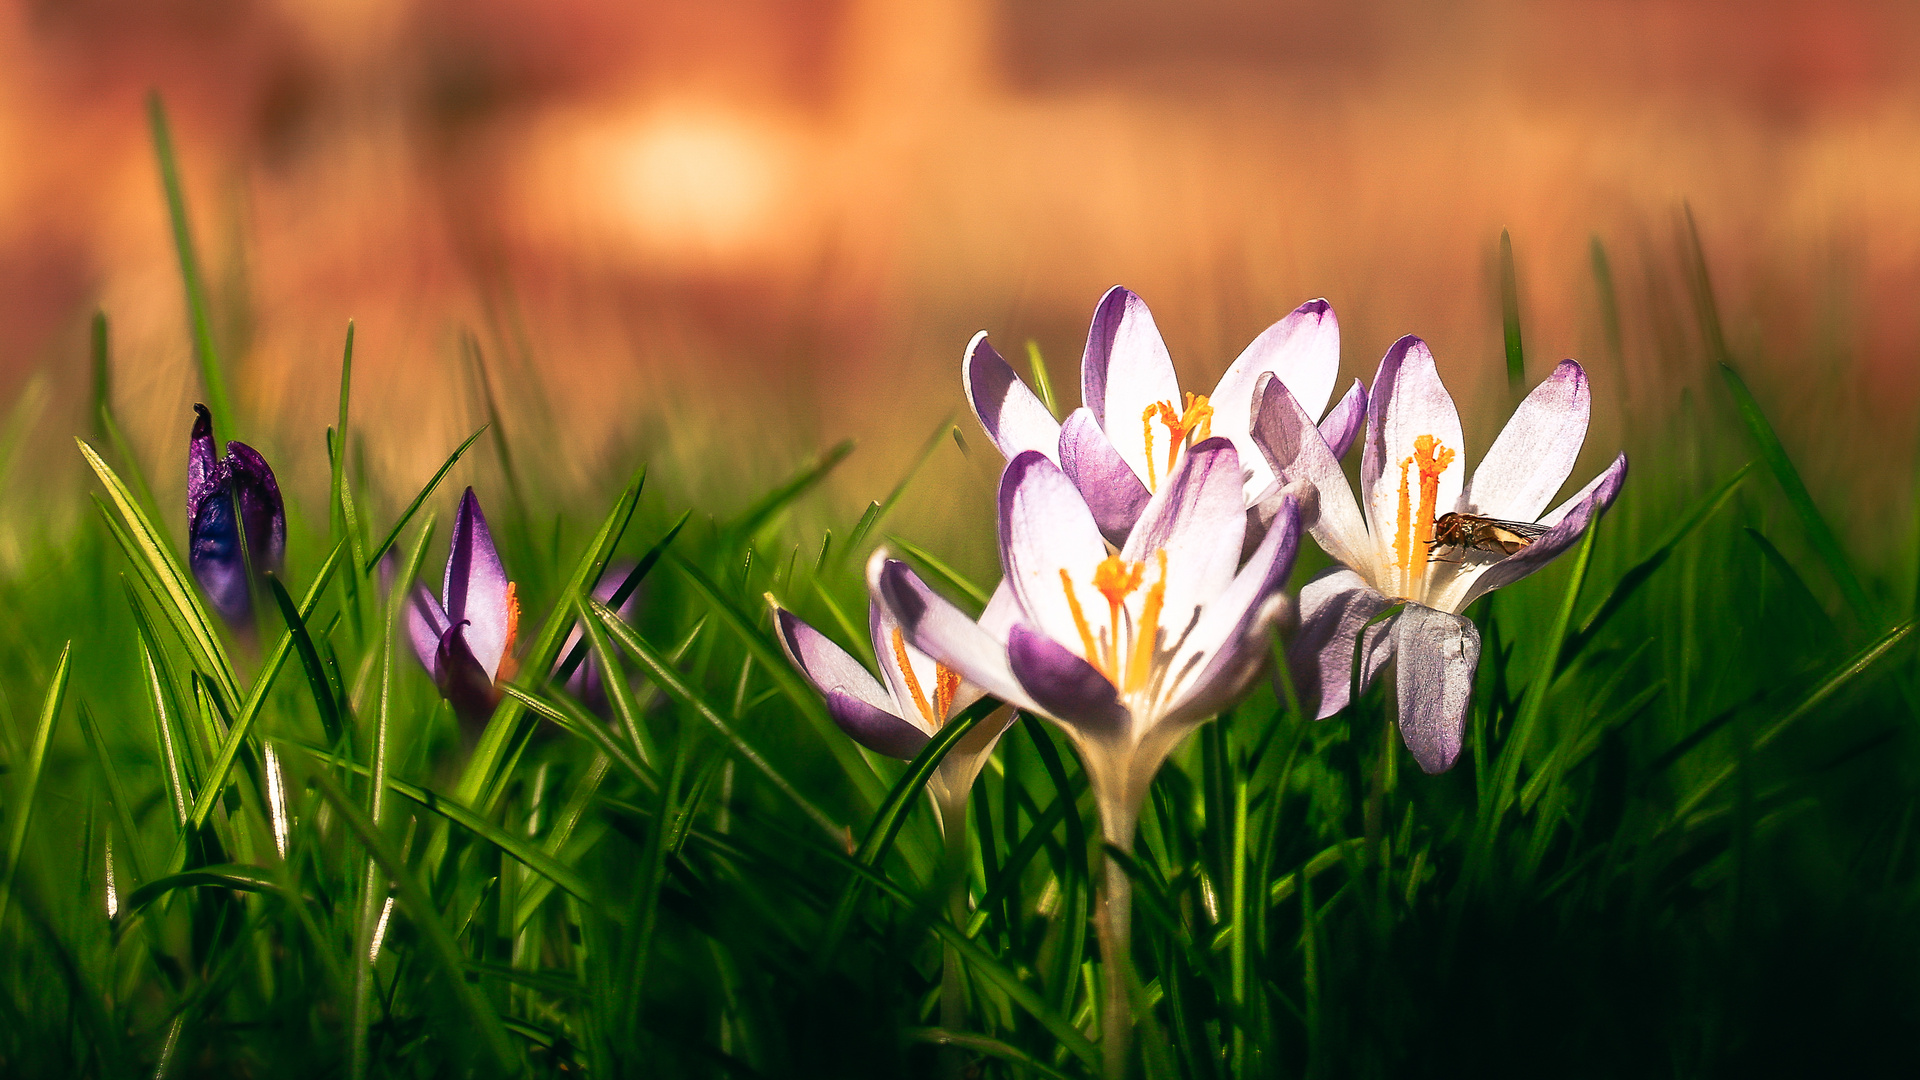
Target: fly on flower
1473 533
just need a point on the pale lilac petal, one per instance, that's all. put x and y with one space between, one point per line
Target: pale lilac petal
1064 685
826 665
477 590
1229 641
1107 483
1435 655
876 729
1003 610
934 626
426 625
1342 423
1296 452
1045 530
203 461
1407 402
1535 451
1303 351
923 668
1198 517
1569 520
1014 418
1333 608
1125 369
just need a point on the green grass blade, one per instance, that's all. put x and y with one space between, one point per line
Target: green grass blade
586 727
26 778
613 679
173 757
1819 533
426 921
939 569
658 669
116 791
216 778
1609 298
1510 316
1042 381
198 319
994 1048
781 497
181 601
373 559
1077 887
623 592
872 519
317 682
235 876
102 357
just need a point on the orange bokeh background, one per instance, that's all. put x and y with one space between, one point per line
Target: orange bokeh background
703 222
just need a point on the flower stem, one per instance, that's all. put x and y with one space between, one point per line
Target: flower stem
953 990
1118 819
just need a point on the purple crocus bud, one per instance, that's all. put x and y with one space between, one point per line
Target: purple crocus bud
1424 534
228 498
586 683
465 639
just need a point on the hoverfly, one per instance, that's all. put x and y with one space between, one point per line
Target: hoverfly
1471 532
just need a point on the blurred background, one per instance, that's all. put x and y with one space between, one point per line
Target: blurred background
725 233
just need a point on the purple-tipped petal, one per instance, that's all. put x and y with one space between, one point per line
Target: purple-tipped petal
1064 685
876 729
1333 608
1535 451
1297 453
1342 423
1125 369
919 671
1014 418
1045 530
1569 520
203 460
826 665
1435 655
426 625
261 509
934 626
1230 637
477 590
1407 402
1107 483
1302 350
1198 517
462 680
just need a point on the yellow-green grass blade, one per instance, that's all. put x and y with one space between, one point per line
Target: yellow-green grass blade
623 592
393 535
250 711
199 320
116 791
872 521
939 568
762 512
26 778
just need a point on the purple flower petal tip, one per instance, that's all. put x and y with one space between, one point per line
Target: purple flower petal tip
874 728
1014 418
1065 685
1437 655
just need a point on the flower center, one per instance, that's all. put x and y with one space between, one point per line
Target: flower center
1184 428
1415 528
510 664
946 684
1123 650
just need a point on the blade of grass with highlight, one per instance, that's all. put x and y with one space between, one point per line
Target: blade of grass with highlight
763 511
373 559
116 791
199 321
26 776
623 593
871 521
933 564
1042 381
317 682
1510 316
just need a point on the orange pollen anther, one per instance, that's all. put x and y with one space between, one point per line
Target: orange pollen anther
1143 642
1415 530
1183 428
509 664
913 683
1089 647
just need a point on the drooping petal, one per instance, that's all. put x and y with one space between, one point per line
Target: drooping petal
1046 530
1408 410
462 680
1013 417
1569 520
1303 351
936 627
1342 423
203 461
1295 451
426 625
1229 641
1126 369
1198 517
476 589
261 510
1435 656
1333 608
1535 451
1064 685
1107 483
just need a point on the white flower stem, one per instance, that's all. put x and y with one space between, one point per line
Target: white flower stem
1119 815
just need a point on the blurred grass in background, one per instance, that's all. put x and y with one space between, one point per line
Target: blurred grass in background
1681 841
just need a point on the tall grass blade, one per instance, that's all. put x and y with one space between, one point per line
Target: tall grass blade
623 592
373 558
317 682
939 569
26 778
763 511
873 519
1042 381
199 321
116 790
1510 316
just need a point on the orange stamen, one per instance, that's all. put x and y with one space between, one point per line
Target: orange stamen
1146 432
913 683
1433 460
509 665
1143 642
1087 643
1402 537
946 685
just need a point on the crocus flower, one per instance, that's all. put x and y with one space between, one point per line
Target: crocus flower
225 496
916 695
1127 652
466 637
1136 426
1412 469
